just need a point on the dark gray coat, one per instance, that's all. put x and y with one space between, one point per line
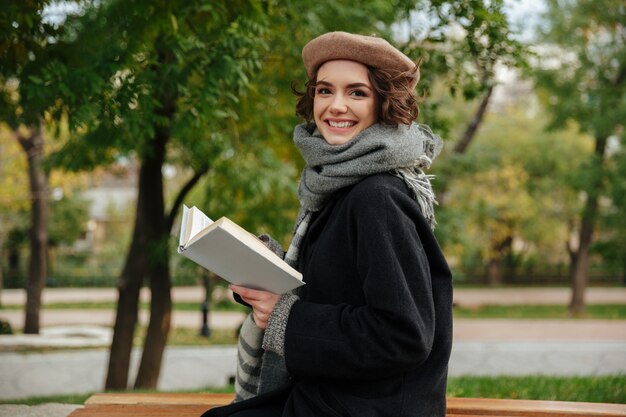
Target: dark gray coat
372 333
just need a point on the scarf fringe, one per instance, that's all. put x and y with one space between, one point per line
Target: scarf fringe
421 187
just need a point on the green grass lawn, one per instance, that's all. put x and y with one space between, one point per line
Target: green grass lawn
190 337
607 389
595 311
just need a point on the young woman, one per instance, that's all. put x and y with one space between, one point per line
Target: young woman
371 331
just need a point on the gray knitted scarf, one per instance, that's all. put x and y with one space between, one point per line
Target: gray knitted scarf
403 151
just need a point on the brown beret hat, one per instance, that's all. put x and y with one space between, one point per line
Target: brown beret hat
368 50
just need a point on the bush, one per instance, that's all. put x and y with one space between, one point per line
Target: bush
5 327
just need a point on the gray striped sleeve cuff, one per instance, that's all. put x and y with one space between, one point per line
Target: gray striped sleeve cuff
274 338
249 355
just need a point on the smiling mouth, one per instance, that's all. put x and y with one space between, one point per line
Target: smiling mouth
342 125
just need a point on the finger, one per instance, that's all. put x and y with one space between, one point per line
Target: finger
250 293
244 292
259 306
247 300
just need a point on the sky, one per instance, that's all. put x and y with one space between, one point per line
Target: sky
524 16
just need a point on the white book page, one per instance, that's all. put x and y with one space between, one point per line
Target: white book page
199 221
193 222
182 239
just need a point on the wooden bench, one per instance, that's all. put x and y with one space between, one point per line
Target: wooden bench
193 405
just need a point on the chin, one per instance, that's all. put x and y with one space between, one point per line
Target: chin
337 140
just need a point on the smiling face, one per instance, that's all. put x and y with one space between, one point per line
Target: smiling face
345 101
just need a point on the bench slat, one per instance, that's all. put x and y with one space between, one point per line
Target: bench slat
186 404
534 408
160 398
152 410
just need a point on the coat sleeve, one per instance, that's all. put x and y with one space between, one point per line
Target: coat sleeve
394 329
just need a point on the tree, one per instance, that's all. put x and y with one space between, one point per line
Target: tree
68 212
11 207
159 83
461 43
464 42
510 197
614 245
584 79
32 143
25 47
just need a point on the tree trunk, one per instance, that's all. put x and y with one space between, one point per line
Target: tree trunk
624 270
1 284
129 288
37 265
13 272
461 146
159 273
157 268
160 280
580 267
498 250
159 326
494 272
123 331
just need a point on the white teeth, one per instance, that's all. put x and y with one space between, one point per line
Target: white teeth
341 124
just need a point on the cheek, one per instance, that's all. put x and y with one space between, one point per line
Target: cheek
369 112
317 108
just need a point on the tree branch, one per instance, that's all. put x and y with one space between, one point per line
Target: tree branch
463 143
621 76
183 193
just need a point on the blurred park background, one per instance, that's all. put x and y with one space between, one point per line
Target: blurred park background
115 113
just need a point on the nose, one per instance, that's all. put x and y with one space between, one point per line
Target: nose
338 104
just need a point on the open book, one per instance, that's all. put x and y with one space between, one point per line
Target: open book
234 254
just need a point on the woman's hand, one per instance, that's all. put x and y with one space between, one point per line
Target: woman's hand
262 303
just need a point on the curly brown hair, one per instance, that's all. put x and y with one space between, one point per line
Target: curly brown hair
397 101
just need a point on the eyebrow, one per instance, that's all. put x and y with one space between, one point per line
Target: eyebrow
353 85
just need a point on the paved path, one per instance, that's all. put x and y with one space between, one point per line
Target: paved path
42 410
85 371
464 329
462 296
539 329
468 297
